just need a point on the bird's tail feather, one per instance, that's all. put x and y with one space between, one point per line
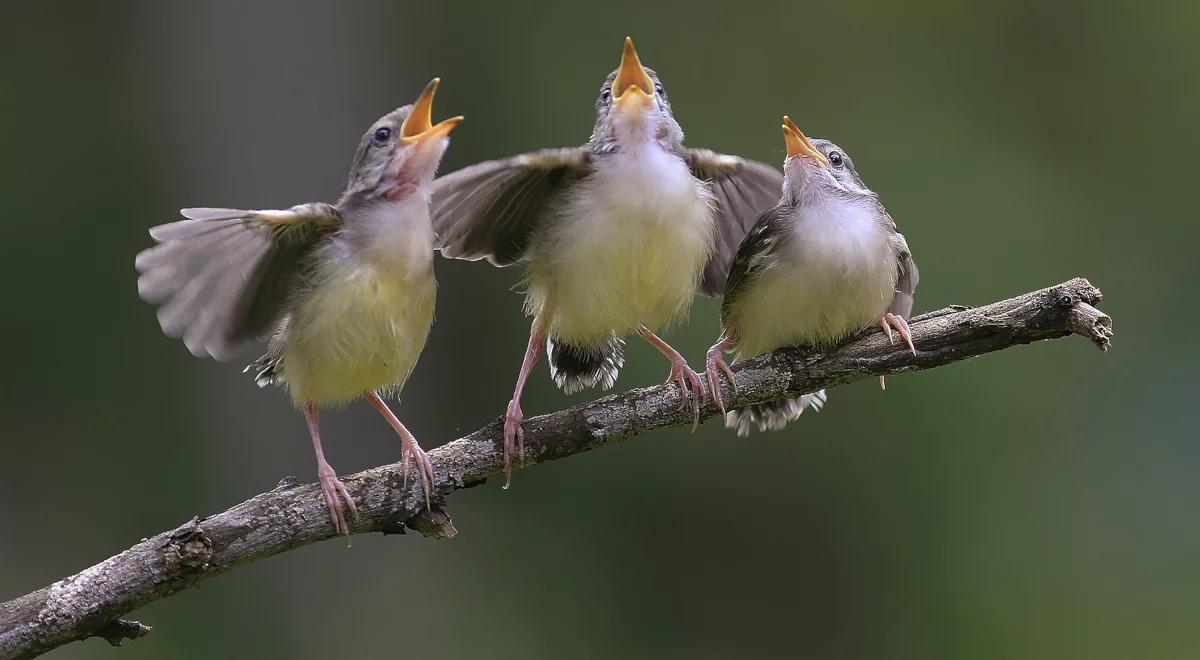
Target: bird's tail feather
773 415
267 370
575 367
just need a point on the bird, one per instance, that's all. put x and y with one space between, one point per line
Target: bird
344 292
827 261
615 236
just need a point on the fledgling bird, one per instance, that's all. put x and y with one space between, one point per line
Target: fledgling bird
825 262
616 236
345 291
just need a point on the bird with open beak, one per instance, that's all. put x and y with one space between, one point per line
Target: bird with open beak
616 236
825 262
345 290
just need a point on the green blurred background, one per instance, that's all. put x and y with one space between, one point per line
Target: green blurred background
1037 503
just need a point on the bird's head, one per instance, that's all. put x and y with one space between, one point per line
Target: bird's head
817 167
633 108
400 153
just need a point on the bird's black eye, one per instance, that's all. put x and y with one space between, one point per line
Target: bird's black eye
835 158
606 95
382 135
658 89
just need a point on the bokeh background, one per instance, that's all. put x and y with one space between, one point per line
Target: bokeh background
1037 503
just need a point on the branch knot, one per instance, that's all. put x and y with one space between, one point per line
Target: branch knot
187 550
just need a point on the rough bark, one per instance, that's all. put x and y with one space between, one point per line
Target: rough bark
91 602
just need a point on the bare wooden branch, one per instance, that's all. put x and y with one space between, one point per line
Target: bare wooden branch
90 603
1087 321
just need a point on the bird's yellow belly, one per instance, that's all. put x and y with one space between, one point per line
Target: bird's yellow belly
359 329
794 306
612 271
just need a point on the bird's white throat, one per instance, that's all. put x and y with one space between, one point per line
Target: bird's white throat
648 183
394 234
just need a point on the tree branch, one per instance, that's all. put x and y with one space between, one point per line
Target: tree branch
90 603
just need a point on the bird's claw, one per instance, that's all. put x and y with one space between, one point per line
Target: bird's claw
714 366
414 454
335 494
514 439
890 321
683 376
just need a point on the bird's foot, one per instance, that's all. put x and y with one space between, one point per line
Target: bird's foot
337 498
890 321
714 366
683 376
514 439
413 453
410 451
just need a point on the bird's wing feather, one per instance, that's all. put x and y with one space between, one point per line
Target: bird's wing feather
743 190
907 274
752 256
221 275
906 285
488 210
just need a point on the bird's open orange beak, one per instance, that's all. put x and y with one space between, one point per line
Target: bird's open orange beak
632 84
798 143
419 126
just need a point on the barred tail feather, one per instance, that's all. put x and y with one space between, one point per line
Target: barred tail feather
774 415
574 367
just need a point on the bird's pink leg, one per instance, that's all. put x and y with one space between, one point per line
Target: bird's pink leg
514 435
681 374
715 365
332 488
410 449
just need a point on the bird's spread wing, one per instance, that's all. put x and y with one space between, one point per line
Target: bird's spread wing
221 275
488 210
753 256
743 190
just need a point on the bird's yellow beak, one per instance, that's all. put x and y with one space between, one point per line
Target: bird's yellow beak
798 143
632 84
419 126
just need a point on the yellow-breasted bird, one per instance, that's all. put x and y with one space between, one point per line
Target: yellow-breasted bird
345 291
825 262
616 236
